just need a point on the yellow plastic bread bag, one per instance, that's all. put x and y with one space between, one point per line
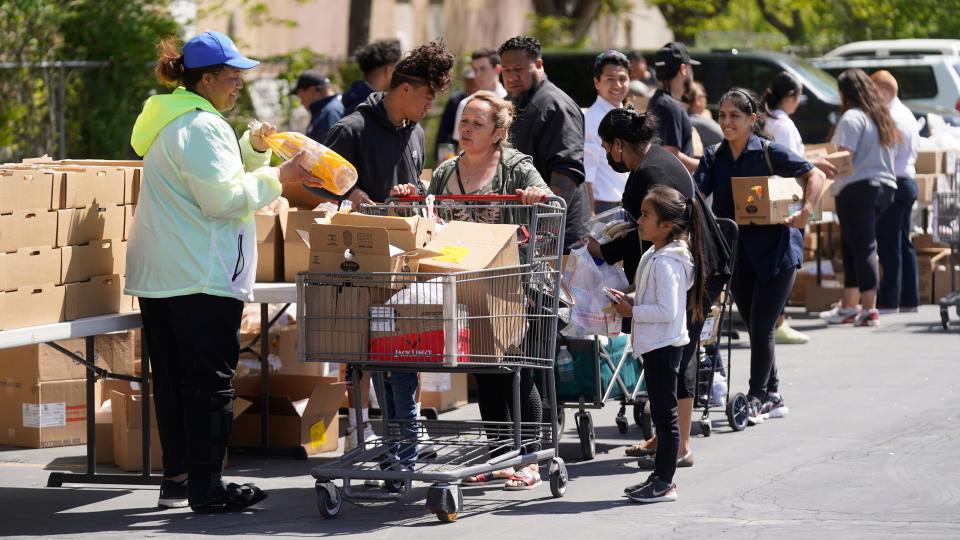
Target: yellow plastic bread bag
336 173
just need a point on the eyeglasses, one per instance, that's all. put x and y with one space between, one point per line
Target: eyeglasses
611 54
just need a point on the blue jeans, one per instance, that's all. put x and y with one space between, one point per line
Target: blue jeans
400 403
899 286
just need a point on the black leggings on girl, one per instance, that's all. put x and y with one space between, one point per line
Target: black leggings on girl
660 369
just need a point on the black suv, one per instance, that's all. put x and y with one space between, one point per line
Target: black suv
719 71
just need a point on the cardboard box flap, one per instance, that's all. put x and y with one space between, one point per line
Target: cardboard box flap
268 228
472 246
359 240
326 396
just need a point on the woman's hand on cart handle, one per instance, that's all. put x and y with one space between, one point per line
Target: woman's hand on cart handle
532 195
403 191
257 137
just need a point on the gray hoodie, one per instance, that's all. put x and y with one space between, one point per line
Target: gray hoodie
660 304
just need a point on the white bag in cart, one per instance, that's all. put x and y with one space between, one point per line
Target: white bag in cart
586 279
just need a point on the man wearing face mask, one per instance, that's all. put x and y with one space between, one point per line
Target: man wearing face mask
675 73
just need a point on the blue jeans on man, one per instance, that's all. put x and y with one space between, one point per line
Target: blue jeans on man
899 286
399 403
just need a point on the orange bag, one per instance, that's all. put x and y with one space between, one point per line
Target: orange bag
336 173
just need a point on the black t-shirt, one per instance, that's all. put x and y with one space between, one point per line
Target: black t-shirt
675 127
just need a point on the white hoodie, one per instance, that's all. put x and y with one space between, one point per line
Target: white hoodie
660 303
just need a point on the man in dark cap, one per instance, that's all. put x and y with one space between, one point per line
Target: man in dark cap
674 69
318 96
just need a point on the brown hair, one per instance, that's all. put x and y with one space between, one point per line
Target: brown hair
429 64
857 90
170 70
503 113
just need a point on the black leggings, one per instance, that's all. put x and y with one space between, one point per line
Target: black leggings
760 305
194 347
495 399
859 207
660 369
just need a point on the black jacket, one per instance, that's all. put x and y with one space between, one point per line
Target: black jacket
385 155
324 113
549 128
358 92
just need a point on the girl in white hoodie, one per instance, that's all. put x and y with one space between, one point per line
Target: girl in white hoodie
670 277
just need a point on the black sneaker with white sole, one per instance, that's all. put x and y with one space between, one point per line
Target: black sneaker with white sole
654 491
173 494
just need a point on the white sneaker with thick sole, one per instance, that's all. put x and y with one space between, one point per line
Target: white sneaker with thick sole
840 315
350 439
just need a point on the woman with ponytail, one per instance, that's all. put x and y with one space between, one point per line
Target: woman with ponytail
767 255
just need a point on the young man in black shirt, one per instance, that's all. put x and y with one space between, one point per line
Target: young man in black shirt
675 73
548 128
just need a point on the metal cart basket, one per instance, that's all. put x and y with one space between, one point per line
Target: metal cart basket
946 229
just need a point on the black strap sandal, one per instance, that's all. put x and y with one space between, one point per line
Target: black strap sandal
232 498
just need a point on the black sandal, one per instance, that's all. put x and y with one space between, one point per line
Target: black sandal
232 498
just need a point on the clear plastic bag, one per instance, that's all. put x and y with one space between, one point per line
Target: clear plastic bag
592 313
335 172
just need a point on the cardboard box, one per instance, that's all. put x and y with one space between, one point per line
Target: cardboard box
42 363
28 228
98 258
131 171
843 161
28 266
78 226
337 322
814 152
104 433
304 411
821 297
495 301
443 391
269 249
32 306
930 162
930 261
290 363
102 295
43 414
128 212
940 285
415 333
296 252
127 428
927 185
76 187
762 200
25 189
356 252
408 233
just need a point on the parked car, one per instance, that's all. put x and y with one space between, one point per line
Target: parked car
898 47
931 81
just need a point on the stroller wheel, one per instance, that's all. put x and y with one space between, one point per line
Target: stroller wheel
737 412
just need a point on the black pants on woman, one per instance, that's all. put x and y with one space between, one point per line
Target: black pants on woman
660 369
194 345
760 305
495 399
859 207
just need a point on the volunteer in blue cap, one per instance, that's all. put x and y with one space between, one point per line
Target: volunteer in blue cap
192 259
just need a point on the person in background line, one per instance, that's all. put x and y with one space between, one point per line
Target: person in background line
487 68
675 73
695 101
318 96
447 132
548 128
899 286
866 130
376 61
610 78
639 71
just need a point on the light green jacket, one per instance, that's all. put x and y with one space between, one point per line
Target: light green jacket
193 229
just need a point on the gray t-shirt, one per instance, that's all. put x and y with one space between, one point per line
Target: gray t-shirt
871 160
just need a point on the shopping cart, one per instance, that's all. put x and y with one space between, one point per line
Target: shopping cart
946 229
499 320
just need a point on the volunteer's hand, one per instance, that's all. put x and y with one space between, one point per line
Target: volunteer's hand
623 304
358 197
257 139
798 220
828 169
403 190
532 195
593 247
292 172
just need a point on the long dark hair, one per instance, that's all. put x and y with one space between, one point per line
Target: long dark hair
859 91
781 87
746 101
635 128
686 216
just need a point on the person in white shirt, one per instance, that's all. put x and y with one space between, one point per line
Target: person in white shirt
486 76
899 288
611 78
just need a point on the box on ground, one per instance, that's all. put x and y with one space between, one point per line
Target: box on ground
97 258
32 306
104 434
822 297
765 200
416 333
443 391
43 414
29 266
28 228
290 363
303 412
933 263
269 249
77 226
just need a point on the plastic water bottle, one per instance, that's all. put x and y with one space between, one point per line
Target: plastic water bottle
565 371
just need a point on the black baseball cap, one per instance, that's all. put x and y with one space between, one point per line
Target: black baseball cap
669 59
310 79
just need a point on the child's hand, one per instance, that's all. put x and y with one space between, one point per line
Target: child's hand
622 303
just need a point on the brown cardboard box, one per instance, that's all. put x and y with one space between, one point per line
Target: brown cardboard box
98 258
405 233
821 297
940 284
921 241
927 186
31 306
930 261
415 333
762 200
28 228
131 171
843 161
102 295
269 249
42 363
304 411
370 251
28 266
296 252
337 322
104 433
77 226
25 189
929 162
127 421
42 414
496 303
443 391
128 212
80 187
818 151
290 363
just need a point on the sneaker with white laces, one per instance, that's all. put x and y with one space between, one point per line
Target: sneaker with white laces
787 335
754 415
350 439
774 407
653 491
868 317
840 315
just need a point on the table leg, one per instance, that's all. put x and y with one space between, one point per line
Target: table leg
264 375
91 410
145 410
819 252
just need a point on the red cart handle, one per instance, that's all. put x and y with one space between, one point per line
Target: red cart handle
464 198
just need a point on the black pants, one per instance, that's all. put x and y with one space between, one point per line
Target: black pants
194 345
899 286
859 207
760 305
687 376
495 399
660 368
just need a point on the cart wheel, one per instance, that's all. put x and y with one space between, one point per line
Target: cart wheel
737 412
638 410
945 318
328 499
646 421
445 501
588 441
622 424
705 427
558 477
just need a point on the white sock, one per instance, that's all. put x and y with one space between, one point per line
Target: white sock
418 409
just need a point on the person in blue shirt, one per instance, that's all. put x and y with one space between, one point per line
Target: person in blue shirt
376 61
767 255
318 96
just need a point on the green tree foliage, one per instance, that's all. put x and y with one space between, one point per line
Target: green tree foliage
565 23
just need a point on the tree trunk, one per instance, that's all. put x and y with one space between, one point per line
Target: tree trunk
358 32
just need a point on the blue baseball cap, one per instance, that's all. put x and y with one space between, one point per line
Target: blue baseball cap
212 48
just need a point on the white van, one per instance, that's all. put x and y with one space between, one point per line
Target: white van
898 47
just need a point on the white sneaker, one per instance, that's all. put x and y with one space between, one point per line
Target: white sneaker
425 446
350 439
840 315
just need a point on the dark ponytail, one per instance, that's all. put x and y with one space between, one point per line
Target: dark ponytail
781 87
632 127
746 101
171 70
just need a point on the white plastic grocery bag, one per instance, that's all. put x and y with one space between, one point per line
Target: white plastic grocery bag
592 312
